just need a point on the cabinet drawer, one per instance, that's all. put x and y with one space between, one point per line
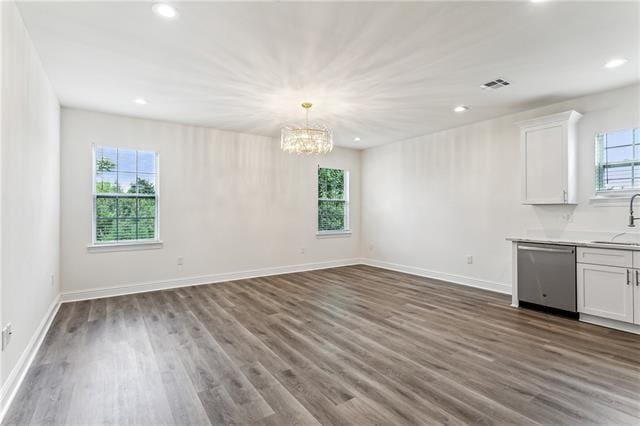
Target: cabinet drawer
598 256
636 259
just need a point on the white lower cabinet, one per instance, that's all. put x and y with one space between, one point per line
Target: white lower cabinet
608 292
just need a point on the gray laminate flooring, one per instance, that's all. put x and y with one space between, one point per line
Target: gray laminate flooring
351 345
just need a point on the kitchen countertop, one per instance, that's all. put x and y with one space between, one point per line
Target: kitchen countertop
573 242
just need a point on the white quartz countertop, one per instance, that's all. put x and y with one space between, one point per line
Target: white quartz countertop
574 242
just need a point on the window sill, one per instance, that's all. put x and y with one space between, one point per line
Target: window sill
333 234
122 246
606 199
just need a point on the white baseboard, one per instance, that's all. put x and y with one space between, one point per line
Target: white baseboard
609 323
120 290
17 375
73 296
497 287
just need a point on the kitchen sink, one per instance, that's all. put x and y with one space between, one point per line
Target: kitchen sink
619 243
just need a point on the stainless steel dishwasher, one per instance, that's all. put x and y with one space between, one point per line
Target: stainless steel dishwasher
547 276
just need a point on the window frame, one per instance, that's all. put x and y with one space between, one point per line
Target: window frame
347 205
155 242
604 194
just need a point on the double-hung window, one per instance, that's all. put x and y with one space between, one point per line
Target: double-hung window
618 161
125 196
333 200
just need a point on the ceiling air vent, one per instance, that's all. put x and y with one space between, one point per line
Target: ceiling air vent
495 84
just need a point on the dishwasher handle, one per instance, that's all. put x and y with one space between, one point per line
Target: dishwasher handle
547 249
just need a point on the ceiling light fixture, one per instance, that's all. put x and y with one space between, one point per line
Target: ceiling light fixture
356 139
461 108
165 10
312 138
616 62
139 101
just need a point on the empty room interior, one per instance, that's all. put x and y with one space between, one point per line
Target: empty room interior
337 213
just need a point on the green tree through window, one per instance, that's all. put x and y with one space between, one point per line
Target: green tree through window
125 195
333 200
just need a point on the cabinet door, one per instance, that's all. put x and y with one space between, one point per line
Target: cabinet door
636 296
545 163
605 291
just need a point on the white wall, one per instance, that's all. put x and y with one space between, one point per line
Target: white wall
30 189
230 203
428 202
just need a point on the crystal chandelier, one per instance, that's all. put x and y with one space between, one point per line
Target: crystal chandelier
308 139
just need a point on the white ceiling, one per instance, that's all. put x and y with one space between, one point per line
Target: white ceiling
378 71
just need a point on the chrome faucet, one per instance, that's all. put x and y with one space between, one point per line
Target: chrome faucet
631 218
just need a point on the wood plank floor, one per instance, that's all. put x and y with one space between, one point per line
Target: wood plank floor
352 345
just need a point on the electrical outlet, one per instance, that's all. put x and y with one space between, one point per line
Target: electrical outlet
180 260
52 279
370 247
469 259
302 250
7 332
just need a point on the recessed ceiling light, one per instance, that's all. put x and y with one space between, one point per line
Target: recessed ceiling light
461 108
537 1
356 139
139 101
616 62
165 10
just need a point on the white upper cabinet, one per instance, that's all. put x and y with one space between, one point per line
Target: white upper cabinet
549 158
